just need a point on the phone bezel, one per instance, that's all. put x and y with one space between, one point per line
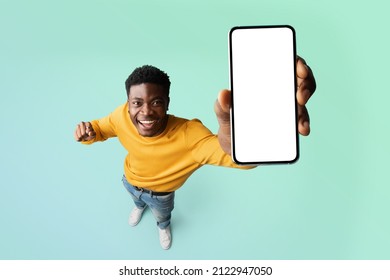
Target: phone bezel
232 113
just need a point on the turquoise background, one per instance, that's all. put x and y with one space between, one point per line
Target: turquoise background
66 61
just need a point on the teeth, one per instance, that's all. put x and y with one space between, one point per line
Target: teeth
147 122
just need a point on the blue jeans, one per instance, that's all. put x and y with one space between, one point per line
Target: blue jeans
161 206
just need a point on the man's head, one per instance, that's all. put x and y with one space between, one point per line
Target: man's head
148 99
148 74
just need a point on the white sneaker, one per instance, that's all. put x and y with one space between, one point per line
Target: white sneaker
165 237
135 216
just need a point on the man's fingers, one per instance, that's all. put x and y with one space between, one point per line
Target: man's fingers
83 129
79 132
303 121
88 127
91 133
302 69
84 132
77 135
305 82
304 92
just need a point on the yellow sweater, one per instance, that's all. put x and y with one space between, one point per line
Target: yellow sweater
164 162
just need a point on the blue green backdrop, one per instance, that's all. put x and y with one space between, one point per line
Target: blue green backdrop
66 61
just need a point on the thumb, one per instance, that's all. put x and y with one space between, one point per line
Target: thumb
222 107
89 131
224 100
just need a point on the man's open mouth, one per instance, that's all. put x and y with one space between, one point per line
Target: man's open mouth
147 123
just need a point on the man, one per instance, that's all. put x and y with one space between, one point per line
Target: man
164 150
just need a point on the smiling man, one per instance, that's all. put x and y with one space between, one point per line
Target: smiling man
164 150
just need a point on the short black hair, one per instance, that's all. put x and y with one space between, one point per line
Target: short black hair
148 74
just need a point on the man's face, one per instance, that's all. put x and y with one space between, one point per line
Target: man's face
148 105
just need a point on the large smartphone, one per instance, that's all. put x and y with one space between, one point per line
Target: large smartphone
263 85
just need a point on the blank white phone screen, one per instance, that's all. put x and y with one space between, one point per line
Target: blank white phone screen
263 84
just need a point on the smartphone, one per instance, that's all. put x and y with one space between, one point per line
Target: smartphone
263 85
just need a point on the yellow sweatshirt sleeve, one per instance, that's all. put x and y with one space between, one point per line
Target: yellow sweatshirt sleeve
205 146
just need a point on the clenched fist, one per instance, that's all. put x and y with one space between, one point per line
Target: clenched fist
84 132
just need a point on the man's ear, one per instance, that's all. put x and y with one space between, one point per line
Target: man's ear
168 103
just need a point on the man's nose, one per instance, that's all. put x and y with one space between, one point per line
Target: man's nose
147 109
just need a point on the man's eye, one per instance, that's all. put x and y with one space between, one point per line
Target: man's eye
157 103
136 103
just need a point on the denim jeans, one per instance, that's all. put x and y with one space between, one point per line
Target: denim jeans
161 206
